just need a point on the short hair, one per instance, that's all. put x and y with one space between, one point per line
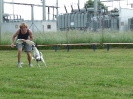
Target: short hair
23 25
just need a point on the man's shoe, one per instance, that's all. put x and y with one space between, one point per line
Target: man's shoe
30 65
19 65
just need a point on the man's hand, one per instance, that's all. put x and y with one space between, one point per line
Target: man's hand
12 45
23 40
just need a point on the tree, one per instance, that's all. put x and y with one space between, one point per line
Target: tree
114 10
90 4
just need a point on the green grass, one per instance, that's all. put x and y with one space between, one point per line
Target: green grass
77 74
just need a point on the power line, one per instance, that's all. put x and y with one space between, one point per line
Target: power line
30 4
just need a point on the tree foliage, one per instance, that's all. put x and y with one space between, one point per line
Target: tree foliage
114 10
90 4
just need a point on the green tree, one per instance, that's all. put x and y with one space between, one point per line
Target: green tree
90 4
114 10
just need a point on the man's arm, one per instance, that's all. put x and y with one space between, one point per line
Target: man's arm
30 35
13 38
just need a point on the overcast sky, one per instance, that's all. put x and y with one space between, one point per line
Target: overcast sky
25 11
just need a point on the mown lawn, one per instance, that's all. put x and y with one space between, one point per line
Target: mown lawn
77 74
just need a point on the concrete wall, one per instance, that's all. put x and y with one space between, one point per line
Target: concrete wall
124 15
37 26
52 28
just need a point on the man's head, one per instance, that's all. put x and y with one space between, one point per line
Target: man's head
23 26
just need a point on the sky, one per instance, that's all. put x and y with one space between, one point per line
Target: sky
25 10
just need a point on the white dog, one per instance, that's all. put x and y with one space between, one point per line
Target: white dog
38 56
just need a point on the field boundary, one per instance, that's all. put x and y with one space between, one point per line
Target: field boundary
78 44
67 45
108 44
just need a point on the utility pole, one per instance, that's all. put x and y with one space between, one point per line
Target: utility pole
44 10
95 7
79 3
32 17
1 16
57 12
13 9
95 15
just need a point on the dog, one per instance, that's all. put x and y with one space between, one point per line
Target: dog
38 56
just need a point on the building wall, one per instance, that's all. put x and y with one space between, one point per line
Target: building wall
50 26
36 26
124 15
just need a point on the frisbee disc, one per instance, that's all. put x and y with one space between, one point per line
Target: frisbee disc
30 42
19 41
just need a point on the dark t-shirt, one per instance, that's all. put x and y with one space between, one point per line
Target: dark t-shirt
23 36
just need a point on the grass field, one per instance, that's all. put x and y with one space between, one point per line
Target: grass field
77 74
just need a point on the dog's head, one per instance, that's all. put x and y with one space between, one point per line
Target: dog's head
38 58
35 45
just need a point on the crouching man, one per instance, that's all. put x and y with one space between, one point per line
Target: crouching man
25 34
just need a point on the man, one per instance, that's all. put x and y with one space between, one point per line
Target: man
25 34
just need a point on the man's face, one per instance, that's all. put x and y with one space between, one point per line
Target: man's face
24 30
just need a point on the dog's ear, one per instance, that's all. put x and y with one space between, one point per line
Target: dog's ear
36 45
33 46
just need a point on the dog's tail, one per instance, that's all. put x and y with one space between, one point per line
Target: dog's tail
41 54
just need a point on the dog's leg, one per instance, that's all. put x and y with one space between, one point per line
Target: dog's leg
38 64
43 61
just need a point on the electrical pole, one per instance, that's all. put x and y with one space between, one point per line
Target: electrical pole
44 10
95 7
57 12
79 3
95 26
1 16
32 17
13 9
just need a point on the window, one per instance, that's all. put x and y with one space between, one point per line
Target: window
48 26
